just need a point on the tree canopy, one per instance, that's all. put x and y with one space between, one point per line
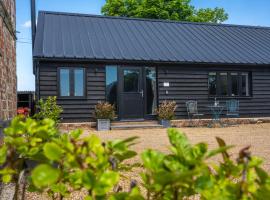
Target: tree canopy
180 10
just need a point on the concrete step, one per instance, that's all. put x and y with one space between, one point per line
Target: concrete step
127 125
147 122
135 126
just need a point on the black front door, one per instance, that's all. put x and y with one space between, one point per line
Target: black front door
131 101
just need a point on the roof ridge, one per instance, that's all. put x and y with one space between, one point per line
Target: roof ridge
154 20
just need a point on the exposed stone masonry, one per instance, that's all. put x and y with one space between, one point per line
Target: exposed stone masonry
8 79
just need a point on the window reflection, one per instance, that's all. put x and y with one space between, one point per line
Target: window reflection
111 85
212 83
234 80
223 83
78 82
131 80
151 91
245 84
64 83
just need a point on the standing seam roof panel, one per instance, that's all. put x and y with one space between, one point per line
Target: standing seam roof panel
78 36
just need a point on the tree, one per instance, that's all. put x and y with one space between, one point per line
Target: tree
180 10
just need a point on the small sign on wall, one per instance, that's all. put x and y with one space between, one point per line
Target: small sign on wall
166 84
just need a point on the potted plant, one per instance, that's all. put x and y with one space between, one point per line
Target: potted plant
104 113
165 113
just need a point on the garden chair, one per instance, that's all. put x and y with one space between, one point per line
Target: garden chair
232 108
192 110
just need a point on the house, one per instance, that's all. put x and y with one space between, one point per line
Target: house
137 63
8 79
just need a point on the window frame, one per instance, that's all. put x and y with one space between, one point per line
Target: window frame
229 84
71 83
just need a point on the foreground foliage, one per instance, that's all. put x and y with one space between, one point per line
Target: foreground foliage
60 164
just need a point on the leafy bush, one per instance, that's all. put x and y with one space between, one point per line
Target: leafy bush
186 172
104 110
166 110
48 109
64 162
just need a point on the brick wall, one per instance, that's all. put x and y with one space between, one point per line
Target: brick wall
8 80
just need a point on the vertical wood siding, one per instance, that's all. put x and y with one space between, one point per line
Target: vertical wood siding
74 109
191 83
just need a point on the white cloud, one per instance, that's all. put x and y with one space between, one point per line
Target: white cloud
27 24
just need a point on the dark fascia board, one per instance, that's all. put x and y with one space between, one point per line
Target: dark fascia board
107 61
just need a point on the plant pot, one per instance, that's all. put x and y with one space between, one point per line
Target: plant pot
103 124
165 123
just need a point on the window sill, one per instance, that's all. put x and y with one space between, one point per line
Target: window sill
231 97
71 97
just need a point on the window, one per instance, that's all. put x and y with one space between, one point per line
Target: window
72 82
131 80
111 85
64 83
223 84
212 82
245 84
234 84
151 90
229 84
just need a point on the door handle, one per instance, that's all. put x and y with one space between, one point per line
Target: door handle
141 93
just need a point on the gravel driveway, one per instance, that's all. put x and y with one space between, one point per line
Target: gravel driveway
256 135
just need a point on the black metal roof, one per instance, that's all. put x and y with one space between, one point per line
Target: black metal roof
93 37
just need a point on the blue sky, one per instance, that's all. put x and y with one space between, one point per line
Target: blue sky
246 12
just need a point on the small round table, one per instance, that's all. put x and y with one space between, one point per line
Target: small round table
216 111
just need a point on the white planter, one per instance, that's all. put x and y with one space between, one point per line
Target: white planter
103 124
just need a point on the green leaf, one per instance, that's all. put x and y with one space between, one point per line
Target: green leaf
6 178
76 133
106 182
52 151
3 154
262 175
44 175
218 151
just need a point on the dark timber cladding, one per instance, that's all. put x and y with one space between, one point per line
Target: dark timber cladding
184 54
74 109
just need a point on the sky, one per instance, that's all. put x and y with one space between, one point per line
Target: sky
244 12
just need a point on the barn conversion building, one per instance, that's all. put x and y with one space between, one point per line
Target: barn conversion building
137 63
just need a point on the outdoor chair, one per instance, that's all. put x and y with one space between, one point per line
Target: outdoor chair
192 110
232 108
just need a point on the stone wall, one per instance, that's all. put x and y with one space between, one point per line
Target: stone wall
8 79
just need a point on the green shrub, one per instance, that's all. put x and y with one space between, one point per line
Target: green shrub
166 110
104 110
64 162
186 172
48 109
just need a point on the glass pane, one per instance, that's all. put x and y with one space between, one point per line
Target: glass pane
78 82
111 84
64 83
151 90
223 84
212 83
234 79
245 84
131 80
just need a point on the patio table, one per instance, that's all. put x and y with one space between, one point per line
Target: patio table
216 111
